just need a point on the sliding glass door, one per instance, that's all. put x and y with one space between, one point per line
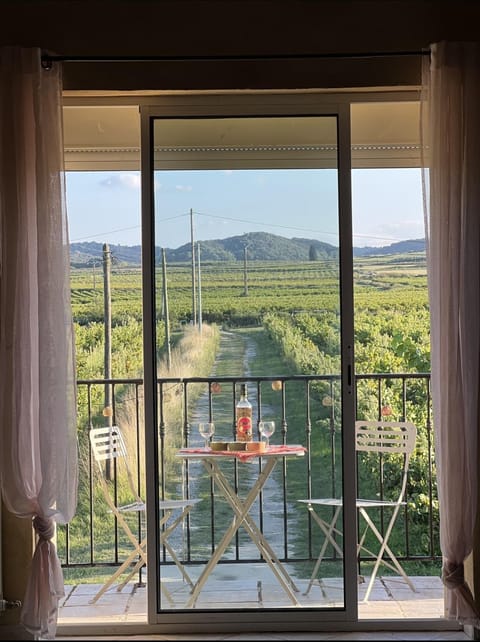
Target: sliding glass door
247 274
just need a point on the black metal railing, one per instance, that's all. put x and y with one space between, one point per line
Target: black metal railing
307 410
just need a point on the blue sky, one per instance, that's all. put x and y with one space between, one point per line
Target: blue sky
105 206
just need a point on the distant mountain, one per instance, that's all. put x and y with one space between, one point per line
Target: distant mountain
260 247
91 253
401 247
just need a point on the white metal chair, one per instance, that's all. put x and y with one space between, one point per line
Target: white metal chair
108 444
384 438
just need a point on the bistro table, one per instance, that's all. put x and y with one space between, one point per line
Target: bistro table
241 506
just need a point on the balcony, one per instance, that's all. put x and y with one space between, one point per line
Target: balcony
92 546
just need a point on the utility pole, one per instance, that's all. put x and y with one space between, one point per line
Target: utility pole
245 281
94 282
165 310
199 290
194 296
107 320
96 263
107 307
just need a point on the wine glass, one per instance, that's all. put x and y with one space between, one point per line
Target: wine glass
206 429
266 428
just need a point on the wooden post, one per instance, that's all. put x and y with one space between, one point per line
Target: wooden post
165 310
194 296
199 290
245 281
107 321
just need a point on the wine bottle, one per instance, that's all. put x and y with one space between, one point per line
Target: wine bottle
244 416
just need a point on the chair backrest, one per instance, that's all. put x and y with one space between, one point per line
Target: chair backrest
385 436
388 438
107 444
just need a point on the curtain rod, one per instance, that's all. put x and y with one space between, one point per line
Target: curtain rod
49 59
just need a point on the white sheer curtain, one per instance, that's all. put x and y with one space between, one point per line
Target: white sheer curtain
38 444
451 130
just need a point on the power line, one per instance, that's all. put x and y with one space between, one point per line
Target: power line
93 236
288 227
123 229
292 227
239 220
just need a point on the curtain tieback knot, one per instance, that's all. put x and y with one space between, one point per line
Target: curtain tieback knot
452 575
44 527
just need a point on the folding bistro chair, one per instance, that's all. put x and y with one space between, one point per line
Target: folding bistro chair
384 438
108 444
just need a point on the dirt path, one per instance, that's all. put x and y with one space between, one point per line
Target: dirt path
235 353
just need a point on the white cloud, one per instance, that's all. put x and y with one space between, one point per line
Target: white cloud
183 188
389 232
406 229
130 181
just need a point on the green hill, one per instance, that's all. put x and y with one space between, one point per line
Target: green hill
400 247
260 246
91 253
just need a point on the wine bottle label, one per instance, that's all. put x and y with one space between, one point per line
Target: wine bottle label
244 428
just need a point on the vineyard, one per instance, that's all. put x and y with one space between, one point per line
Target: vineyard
390 295
295 307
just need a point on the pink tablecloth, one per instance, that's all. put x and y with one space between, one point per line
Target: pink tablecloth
244 455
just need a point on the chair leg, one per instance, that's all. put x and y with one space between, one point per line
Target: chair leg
327 529
141 562
164 535
138 551
178 563
384 548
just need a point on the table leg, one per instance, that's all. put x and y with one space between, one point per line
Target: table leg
241 509
242 517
